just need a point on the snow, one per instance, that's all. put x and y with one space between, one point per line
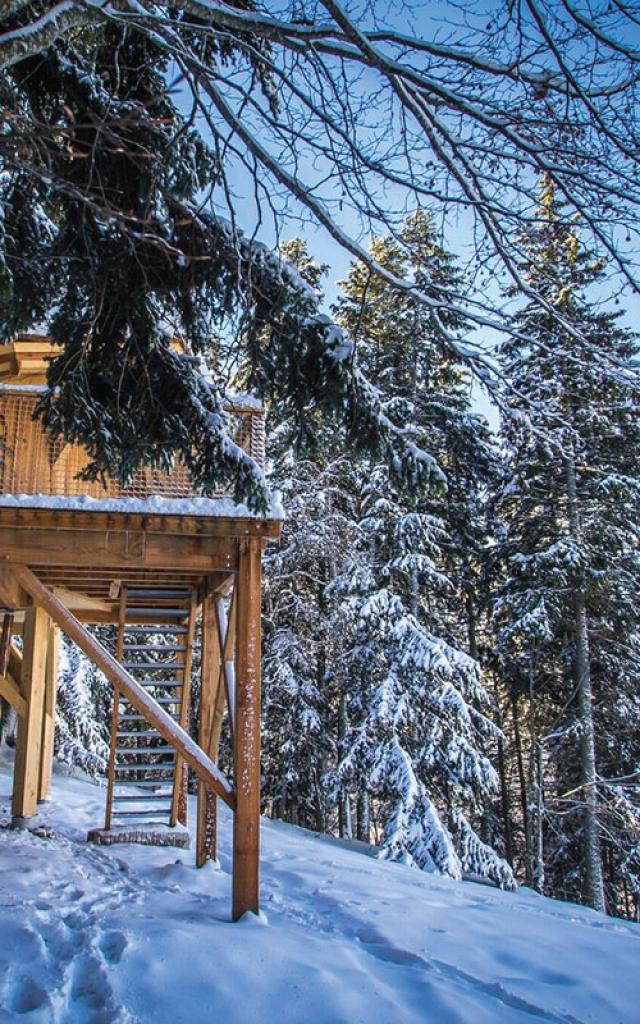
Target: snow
155 504
132 934
230 401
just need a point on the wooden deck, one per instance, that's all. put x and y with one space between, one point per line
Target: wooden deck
62 567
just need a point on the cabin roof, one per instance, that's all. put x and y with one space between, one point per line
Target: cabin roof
40 473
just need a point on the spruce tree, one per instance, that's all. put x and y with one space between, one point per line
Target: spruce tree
418 725
570 549
300 704
109 241
83 711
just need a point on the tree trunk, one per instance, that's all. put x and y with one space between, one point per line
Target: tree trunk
344 808
505 798
536 866
471 626
593 858
535 801
524 801
363 824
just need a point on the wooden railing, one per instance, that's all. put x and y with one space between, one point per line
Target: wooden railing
32 463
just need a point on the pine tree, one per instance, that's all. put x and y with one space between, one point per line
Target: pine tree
299 697
570 546
106 244
417 731
83 712
299 702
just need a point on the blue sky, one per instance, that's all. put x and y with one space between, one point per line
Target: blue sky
457 236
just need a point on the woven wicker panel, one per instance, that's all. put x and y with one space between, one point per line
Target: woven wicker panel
31 463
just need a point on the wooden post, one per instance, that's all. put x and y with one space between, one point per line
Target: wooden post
113 740
246 737
49 716
5 640
29 741
209 685
181 775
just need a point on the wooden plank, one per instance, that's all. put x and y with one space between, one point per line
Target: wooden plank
11 595
185 658
49 716
209 682
120 549
11 692
29 739
246 747
227 637
77 599
113 740
15 663
128 522
142 701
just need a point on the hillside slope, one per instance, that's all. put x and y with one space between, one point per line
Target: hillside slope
135 934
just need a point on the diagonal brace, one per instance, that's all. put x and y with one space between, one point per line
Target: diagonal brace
155 715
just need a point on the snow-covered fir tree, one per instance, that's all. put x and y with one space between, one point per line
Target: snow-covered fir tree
300 702
83 711
418 733
300 717
565 610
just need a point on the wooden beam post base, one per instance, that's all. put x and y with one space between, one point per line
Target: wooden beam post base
209 686
246 733
19 822
26 774
49 716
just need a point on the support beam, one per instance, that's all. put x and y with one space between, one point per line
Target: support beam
181 775
49 717
210 683
130 687
11 595
246 746
10 692
115 714
91 548
29 740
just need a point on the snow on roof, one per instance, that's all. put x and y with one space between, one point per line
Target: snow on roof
155 504
230 400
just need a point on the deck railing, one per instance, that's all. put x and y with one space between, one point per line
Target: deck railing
32 463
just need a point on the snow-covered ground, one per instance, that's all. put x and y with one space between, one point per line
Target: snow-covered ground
92 935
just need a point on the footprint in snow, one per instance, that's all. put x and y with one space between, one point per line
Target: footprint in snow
25 996
112 945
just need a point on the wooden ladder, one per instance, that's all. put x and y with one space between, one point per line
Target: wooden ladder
147 779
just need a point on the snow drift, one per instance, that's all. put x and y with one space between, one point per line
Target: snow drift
130 935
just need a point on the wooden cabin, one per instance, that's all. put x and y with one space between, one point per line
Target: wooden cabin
172 575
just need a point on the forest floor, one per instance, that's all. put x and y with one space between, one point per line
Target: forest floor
132 934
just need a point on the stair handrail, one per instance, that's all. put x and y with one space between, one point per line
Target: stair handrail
177 737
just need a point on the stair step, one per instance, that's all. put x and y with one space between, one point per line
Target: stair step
141 718
163 766
167 613
130 628
144 783
137 735
161 684
144 798
175 594
141 814
167 666
158 700
147 749
159 649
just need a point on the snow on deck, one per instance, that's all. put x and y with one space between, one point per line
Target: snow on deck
155 504
135 935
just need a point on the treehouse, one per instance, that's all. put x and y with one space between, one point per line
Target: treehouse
178 577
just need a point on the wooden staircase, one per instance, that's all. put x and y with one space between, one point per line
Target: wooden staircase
147 779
